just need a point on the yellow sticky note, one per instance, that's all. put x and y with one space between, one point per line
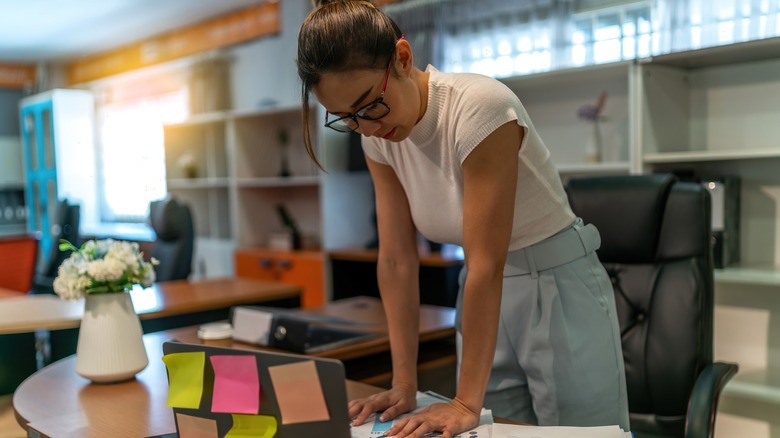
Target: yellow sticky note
299 392
246 426
196 427
185 377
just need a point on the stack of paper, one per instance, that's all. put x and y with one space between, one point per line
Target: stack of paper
373 428
514 431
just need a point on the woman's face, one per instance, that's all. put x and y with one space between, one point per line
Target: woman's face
344 93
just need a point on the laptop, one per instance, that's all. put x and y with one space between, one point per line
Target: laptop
249 391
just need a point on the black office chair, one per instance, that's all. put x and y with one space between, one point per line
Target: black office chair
174 245
656 246
65 225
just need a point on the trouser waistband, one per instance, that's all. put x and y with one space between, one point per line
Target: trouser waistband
568 245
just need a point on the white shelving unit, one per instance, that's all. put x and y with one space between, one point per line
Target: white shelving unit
553 99
715 112
236 182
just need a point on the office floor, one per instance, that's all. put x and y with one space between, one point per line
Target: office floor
9 428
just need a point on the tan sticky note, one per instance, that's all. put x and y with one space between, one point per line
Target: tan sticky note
196 427
299 392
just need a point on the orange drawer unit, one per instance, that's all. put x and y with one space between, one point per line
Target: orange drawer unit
301 268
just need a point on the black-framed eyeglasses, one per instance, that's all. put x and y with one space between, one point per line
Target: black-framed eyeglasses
374 110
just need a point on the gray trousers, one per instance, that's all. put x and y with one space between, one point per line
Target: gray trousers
558 357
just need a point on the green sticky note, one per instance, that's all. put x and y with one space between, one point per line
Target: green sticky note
252 426
185 379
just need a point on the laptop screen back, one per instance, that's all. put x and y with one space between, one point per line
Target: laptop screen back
215 391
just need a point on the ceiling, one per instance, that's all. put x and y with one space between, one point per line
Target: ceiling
60 30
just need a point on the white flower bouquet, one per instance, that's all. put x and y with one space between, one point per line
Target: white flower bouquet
100 267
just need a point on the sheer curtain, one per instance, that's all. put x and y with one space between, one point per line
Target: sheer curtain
131 112
132 158
500 38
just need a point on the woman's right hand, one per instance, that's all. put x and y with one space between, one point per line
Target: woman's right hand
397 400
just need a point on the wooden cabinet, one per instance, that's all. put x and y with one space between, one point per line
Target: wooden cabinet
302 268
353 273
57 141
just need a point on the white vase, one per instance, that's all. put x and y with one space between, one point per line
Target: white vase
110 346
594 144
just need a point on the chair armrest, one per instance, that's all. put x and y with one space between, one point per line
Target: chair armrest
703 405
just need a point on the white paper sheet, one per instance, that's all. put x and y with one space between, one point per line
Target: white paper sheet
514 431
373 428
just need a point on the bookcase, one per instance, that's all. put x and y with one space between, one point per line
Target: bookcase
234 169
553 99
715 112
708 112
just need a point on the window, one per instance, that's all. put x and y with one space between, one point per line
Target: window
611 34
502 39
131 161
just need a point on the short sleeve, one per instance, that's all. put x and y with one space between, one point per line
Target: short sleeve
484 106
373 150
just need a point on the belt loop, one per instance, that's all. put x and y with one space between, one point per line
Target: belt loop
582 240
529 257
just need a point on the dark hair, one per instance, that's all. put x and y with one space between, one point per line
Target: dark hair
338 36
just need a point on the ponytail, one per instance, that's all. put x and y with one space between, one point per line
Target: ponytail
339 36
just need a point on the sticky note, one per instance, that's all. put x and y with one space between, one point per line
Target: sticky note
298 392
236 384
185 379
196 427
246 426
252 325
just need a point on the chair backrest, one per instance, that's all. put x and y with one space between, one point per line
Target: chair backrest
65 225
172 223
656 246
18 257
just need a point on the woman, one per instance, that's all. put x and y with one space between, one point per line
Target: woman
455 157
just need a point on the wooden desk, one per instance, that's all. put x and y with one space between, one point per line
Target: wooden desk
57 402
353 272
8 293
368 361
162 306
27 313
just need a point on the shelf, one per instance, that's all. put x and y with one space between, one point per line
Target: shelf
262 112
594 168
290 181
201 119
13 229
768 276
590 73
711 155
755 385
197 183
737 53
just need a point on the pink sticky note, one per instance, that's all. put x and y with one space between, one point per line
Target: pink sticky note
236 384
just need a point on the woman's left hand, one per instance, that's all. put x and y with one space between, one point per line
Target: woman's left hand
449 419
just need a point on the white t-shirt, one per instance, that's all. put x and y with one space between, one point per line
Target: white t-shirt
463 109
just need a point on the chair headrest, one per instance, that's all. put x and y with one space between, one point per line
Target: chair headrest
628 210
169 218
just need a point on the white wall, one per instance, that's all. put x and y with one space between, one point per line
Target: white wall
264 70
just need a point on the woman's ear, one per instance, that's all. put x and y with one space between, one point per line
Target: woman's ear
404 58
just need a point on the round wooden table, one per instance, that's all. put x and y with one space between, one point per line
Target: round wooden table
57 402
